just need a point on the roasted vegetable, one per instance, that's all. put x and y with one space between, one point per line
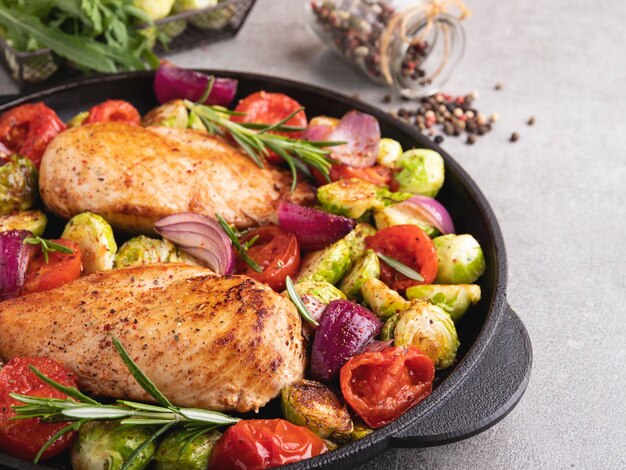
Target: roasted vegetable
145 250
78 120
171 114
156 9
387 331
321 290
33 221
383 301
367 267
356 240
95 238
360 430
354 197
429 328
454 299
176 452
329 264
104 445
18 185
460 258
421 172
404 213
389 152
315 406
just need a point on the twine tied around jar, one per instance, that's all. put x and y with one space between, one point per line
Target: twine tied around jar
400 20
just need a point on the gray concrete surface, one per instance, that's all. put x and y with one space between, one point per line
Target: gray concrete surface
559 194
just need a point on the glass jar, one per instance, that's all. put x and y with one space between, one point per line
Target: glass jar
411 45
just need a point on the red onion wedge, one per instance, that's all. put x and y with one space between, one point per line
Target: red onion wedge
14 258
171 83
201 237
345 327
313 228
361 133
434 212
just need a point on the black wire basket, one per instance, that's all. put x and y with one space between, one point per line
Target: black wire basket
186 30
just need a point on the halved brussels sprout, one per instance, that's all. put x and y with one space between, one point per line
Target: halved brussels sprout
382 300
78 120
144 250
176 452
454 299
461 260
329 264
387 331
367 267
156 9
422 171
356 240
95 239
354 197
389 152
171 114
429 328
105 445
315 406
18 185
321 290
404 213
33 221
360 431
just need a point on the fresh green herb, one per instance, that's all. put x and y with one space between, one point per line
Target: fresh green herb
401 267
80 409
241 249
256 141
295 298
48 246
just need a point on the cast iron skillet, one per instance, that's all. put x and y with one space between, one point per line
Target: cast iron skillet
494 360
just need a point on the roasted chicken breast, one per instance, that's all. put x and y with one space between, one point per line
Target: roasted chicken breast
133 176
222 343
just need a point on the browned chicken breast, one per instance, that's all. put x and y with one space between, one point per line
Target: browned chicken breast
133 176
222 343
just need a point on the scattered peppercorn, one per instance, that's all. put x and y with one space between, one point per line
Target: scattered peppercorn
356 97
438 139
498 86
471 139
531 121
514 137
387 98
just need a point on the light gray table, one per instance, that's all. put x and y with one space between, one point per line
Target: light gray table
559 194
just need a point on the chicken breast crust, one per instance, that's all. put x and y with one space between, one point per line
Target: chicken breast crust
222 343
134 176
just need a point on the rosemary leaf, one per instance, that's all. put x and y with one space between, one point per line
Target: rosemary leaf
48 246
213 417
97 412
295 298
69 391
273 127
146 443
400 267
241 250
75 426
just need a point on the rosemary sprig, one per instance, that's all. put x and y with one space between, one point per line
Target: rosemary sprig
241 249
80 409
295 298
256 141
48 246
400 267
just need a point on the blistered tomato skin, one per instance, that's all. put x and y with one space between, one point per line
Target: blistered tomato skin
24 438
114 111
264 443
60 269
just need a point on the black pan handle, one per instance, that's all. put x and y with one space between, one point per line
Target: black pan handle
496 384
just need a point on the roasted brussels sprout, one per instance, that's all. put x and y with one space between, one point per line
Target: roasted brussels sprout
356 240
389 152
78 120
104 445
329 264
321 290
315 406
33 221
454 299
461 260
324 121
354 197
95 238
421 172
144 250
156 9
367 267
360 431
404 213
176 452
18 185
382 300
387 331
171 114
430 328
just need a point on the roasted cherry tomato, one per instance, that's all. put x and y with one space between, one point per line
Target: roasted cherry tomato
24 438
114 111
28 129
410 245
264 443
380 386
376 174
270 108
277 252
60 269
